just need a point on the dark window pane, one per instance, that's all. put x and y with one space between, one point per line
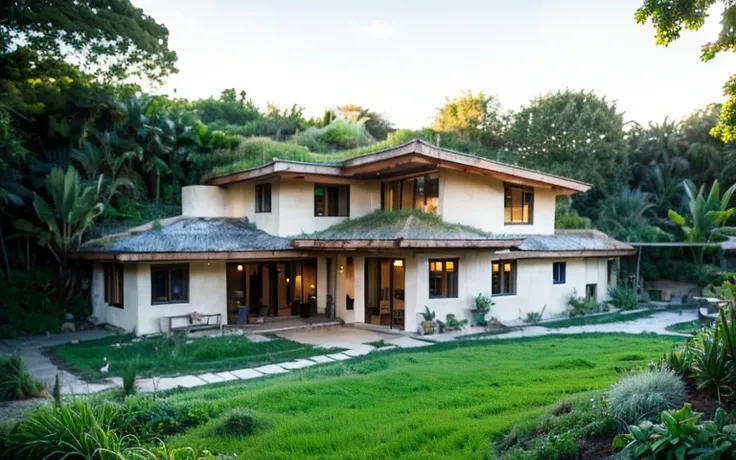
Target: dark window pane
433 194
495 278
160 285
263 198
343 201
443 278
419 188
518 205
392 196
559 272
503 277
319 201
178 285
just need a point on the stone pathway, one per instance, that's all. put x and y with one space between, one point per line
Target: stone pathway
352 339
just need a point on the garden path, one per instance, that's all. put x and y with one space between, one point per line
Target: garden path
353 339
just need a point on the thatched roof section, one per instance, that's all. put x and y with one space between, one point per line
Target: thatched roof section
401 225
190 235
573 240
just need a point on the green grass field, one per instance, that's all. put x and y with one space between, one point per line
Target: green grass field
444 401
162 357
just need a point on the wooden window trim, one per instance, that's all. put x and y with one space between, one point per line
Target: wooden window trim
514 274
169 268
401 182
260 189
444 277
507 186
110 271
328 186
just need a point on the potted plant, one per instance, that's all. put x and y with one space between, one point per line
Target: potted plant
453 324
481 306
428 323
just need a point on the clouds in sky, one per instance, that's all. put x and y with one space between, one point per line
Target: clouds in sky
376 29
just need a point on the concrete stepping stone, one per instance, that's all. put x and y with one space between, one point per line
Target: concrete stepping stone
298 364
321 359
386 348
358 351
258 338
226 376
247 374
271 369
210 378
408 342
189 381
339 357
166 383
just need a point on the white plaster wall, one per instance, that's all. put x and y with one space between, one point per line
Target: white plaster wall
479 202
124 318
534 287
203 201
296 206
241 202
207 294
345 285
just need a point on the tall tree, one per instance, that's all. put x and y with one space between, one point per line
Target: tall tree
670 17
477 117
111 38
575 134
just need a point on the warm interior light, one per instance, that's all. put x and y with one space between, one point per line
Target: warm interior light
342 269
507 267
450 266
240 268
288 280
398 263
495 268
311 286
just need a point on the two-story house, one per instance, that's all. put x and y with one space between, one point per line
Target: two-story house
373 239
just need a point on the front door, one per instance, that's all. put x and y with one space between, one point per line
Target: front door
384 292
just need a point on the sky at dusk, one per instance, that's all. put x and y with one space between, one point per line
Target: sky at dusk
402 58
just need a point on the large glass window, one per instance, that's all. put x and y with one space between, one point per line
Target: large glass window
503 277
263 197
559 272
421 193
443 278
518 205
114 284
332 200
170 283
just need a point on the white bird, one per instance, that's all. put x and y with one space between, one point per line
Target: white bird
106 367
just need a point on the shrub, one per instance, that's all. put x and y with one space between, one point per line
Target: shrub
643 396
580 306
15 381
241 422
623 298
533 317
167 419
680 436
711 366
129 379
30 303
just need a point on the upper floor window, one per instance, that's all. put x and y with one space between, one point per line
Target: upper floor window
518 204
421 193
114 274
559 272
443 278
331 200
503 277
170 283
263 197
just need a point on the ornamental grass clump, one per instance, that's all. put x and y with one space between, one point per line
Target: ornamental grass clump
241 422
15 381
644 396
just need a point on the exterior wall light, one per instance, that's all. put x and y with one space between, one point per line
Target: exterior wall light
240 268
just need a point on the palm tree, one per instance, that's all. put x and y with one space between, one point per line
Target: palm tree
707 215
623 213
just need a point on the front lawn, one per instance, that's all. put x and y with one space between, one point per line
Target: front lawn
599 319
690 327
179 355
444 401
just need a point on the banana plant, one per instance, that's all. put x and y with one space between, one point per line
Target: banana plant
707 216
63 222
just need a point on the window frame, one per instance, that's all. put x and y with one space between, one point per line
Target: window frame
263 191
169 268
501 282
506 192
562 278
326 199
108 270
445 279
425 177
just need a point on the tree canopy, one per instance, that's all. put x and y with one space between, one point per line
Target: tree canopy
476 117
109 38
574 134
670 17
